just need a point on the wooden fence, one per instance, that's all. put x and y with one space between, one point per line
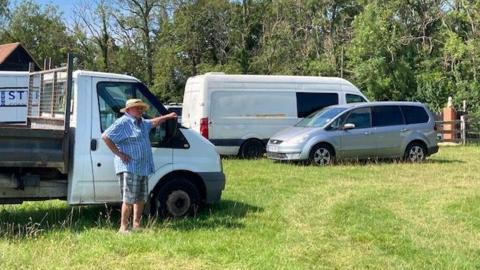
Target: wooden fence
465 130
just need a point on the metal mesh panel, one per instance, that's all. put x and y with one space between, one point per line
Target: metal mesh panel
48 94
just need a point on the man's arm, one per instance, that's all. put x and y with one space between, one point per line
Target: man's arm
158 120
124 157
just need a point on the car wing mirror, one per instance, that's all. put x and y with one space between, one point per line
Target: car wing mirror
348 126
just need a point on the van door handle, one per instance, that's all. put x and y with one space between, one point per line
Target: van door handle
93 144
404 130
367 132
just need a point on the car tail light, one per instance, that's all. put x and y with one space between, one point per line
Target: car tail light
204 127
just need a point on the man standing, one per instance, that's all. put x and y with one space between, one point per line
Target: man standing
128 138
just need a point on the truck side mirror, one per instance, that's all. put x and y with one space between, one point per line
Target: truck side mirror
171 128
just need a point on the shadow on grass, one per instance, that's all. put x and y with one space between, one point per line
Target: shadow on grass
443 161
366 162
225 214
34 219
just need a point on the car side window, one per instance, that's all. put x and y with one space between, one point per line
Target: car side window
361 118
351 98
414 114
387 116
338 123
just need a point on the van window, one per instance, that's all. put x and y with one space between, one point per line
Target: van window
414 114
308 103
252 104
351 98
386 116
360 118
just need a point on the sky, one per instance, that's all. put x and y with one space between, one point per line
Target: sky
66 6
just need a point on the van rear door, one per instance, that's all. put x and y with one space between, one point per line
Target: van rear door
192 105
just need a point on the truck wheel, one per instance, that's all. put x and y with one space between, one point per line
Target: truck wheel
415 152
176 198
322 154
252 148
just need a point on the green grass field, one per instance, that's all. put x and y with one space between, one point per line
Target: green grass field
276 216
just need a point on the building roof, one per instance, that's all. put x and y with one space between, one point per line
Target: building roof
7 49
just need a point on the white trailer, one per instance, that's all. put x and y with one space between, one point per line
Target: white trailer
14 97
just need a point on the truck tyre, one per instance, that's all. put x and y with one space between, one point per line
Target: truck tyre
176 198
252 148
322 154
415 152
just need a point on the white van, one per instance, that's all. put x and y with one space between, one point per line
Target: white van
239 113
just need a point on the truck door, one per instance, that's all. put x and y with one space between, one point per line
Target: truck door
110 97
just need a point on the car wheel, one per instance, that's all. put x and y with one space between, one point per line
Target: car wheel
322 154
415 152
252 149
176 198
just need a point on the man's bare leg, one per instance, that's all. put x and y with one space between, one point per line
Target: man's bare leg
126 211
137 213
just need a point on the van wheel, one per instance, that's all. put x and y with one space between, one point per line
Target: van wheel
252 149
415 152
322 154
176 198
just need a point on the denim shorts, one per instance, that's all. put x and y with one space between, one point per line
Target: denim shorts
133 187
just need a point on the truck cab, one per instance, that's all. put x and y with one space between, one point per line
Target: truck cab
188 170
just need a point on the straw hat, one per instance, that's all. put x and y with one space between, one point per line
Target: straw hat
134 102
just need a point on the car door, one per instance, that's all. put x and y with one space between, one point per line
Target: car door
359 141
389 129
110 97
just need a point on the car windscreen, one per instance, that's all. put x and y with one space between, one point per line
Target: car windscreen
320 118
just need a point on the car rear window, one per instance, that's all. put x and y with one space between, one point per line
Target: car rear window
386 116
414 114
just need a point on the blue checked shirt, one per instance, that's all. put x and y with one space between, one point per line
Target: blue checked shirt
131 136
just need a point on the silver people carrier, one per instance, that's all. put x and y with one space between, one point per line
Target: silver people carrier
359 131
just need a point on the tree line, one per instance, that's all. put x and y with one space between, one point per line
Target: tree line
424 50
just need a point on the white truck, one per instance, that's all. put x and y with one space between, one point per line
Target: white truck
59 152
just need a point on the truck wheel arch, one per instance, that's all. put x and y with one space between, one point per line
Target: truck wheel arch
182 175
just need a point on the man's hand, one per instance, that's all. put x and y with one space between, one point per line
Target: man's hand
158 120
171 115
124 157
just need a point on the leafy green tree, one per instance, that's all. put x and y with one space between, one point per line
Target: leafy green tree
95 22
381 64
138 20
4 13
41 30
